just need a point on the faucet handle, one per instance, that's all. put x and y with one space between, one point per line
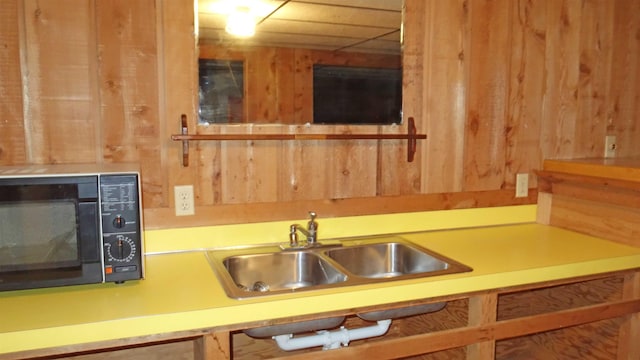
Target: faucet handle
312 225
293 235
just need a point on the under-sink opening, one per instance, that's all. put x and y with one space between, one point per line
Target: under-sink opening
454 315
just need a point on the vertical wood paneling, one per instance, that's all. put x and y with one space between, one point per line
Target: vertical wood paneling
177 83
61 80
261 79
497 86
303 87
304 167
129 101
596 32
352 165
487 89
209 181
396 176
562 66
526 88
445 96
624 94
250 168
12 132
285 86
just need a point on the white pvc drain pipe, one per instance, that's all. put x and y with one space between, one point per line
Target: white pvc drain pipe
331 339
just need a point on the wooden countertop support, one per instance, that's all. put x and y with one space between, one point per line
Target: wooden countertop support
496 330
599 197
624 169
612 191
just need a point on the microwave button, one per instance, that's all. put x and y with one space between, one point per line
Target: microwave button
119 222
130 268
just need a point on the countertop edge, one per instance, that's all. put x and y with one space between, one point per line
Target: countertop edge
204 319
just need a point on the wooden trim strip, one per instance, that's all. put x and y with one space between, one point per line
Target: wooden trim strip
223 214
431 342
256 137
550 178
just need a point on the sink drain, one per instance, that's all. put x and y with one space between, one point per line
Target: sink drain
260 286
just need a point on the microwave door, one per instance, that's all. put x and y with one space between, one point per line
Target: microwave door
38 236
43 241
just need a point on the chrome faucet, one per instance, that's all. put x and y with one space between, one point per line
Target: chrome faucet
311 232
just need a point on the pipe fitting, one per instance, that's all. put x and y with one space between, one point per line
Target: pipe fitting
332 339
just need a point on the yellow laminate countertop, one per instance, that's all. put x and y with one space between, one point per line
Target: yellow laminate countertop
181 292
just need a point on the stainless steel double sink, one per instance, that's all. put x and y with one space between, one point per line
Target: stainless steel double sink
269 270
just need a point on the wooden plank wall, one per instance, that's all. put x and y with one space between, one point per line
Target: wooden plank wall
498 85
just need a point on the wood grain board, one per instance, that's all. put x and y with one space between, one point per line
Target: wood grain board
496 86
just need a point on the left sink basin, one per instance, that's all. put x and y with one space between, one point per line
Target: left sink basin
256 274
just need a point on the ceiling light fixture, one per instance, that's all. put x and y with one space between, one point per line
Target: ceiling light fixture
241 22
242 15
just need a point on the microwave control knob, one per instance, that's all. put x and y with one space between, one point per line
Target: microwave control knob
119 222
123 249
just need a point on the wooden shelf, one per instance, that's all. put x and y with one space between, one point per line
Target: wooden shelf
412 136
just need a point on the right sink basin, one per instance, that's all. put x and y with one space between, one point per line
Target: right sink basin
388 260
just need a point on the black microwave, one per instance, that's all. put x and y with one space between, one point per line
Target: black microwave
69 225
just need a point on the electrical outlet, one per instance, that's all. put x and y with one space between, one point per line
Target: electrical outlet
522 185
610 146
184 200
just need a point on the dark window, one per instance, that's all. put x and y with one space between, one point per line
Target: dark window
221 91
356 95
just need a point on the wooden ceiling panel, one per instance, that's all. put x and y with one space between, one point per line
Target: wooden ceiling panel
365 25
327 14
393 5
277 26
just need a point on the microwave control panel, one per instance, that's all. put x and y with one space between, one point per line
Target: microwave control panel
121 227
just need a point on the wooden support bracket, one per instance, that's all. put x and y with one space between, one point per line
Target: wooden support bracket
412 136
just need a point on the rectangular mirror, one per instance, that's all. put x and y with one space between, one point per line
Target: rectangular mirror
279 74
